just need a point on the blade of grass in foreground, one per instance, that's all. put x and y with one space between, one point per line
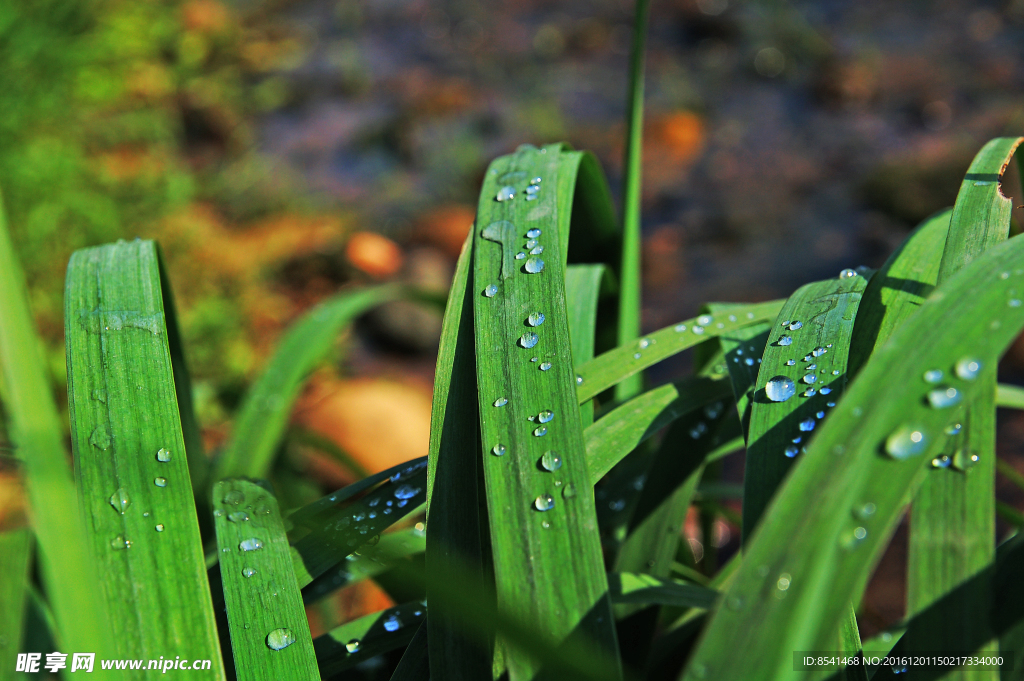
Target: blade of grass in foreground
609 368
953 524
35 430
264 413
368 636
131 458
880 438
269 632
582 289
547 556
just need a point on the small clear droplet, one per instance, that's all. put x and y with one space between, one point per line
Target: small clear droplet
1013 302
818 351
536 250
501 402
792 451
217 513
491 290
550 461
506 193
119 542
532 189
163 455
809 379
353 646
933 376
534 265
234 497
968 368
637 355
847 274
680 328
544 366
569 491
120 501
941 461
780 389
940 398
238 516
748 361
392 623
248 572
825 390
953 429
698 330
535 319
786 340
279 639
520 256
905 442
160 482
545 416
545 502
540 431
531 243
498 450
533 234
793 326
251 544
579 380
529 339
160 527
790 362
806 425
810 392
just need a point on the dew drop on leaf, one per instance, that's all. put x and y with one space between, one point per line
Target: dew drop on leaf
534 265
545 502
550 461
780 389
529 339
905 442
163 455
279 639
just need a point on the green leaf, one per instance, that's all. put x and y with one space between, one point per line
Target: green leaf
1009 396
628 587
269 632
618 432
131 455
264 414
611 367
857 490
547 556
15 545
368 636
953 523
414 665
582 289
813 330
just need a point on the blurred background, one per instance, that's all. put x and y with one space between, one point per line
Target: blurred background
281 150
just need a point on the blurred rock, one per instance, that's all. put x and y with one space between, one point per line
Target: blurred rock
446 226
376 255
380 423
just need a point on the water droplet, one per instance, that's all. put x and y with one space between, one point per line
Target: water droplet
529 339
163 455
680 328
119 542
905 442
749 362
785 579
353 646
544 366
847 274
535 319
100 438
786 340
406 492
238 516
251 544
941 461
860 533
637 355
866 511
501 402
520 256
534 265
491 290
533 234
545 502
537 250
835 372
793 326
698 330
498 450
579 380
545 416
279 639
698 430
790 362
933 376
806 425
734 603
506 193
811 367
550 461
968 368
1013 302
540 431
792 451
712 411
809 379
825 390
120 501
780 389
160 482
217 513
234 497
818 351
569 492
536 180
810 392
532 189
940 398
953 429
964 460
829 404
160 527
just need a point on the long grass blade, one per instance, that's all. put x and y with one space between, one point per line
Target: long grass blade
347 645
547 557
952 525
269 632
414 665
263 417
130 455
582 290
15 552
870 454
1009 396
627 587
609 368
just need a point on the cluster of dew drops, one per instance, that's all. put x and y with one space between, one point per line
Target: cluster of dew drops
550 461
120 500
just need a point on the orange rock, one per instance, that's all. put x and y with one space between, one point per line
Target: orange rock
206 16
379 423
374 254
447 227
679 134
